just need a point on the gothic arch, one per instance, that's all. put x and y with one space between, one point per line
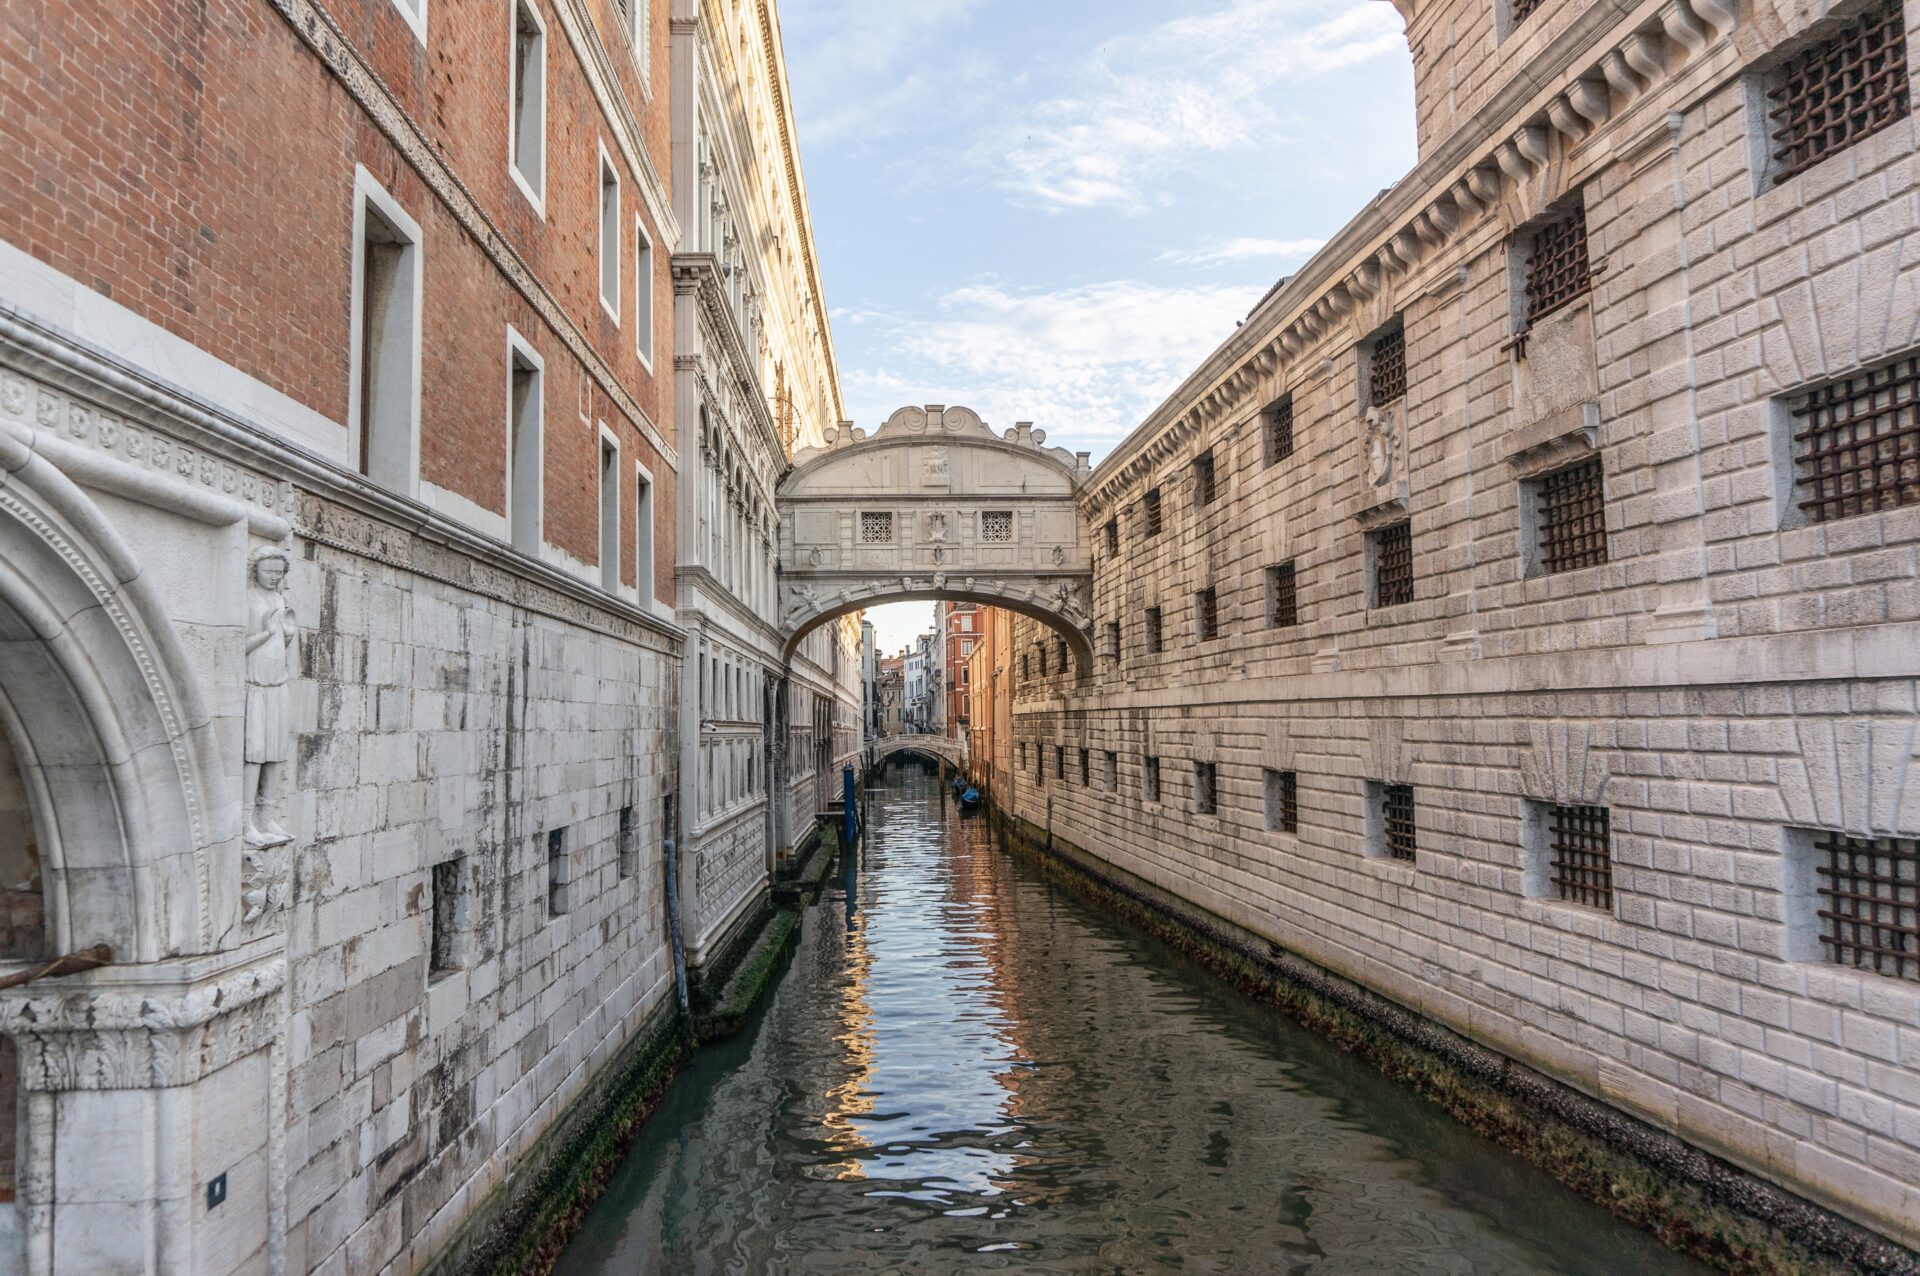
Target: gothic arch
113 739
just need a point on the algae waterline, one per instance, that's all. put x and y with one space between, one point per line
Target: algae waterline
967 1068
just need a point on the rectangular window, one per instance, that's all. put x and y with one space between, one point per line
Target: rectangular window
1060 762
1152 508
1084 768
1283 602
1150 780
1393 820
1570 517
609 514
643 294
1041 648
1856 443
996 526
1277 422
1834 93
1387 367
1869 902
1203 479
1206 615
1039 764
1113 639
1110 771
1026 665
525 446
1580 854
1060 654
1153 630
559 872
1392 554
643 536
449 919
876 527
386 332
527 129
1282 801
1113 537
1557 267
1206 798
609 237
627 838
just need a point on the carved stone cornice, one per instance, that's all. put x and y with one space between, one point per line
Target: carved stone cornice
141 1027
698 275
1556 441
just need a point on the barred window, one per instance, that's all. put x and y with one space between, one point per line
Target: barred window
1857 443
1040 764
1206 799
1059 761
1026 665
1278 419
876 528
1152 507
1557 268
1060 653
1083 768
1150 780
1203 479
1396 821
1113 639
1582 854
1113 537
1041 647
1571 516
1110 768
1206 614
996 526
1153 630
1387 367
1393 565
1283 599
1834 93
1283 801
1870 902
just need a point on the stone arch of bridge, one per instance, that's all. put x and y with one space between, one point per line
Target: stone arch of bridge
935 505
944 748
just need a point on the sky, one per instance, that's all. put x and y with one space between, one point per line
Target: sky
1052 211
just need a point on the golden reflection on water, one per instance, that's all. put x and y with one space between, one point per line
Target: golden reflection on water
852 1099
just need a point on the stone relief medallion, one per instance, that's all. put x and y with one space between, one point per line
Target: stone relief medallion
934 467
937 527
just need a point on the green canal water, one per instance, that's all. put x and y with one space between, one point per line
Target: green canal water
966 1069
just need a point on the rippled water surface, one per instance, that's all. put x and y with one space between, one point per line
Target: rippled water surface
965 1069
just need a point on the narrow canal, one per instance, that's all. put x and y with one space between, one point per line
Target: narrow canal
966 1069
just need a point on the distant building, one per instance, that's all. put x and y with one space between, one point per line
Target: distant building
959 634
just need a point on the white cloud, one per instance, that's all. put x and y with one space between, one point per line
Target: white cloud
1243 248
1142 107
849 60
1086 364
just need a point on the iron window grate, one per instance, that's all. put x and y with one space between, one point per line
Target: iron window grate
1113 639
1557 269
1573 517
1845 88
1206 607
876 529
1582 855
1387 367
1279 416
1870 902
1153 629
1150 780
1283 802
1060 762
1393 565
1203 479
1396 810
1113 537
1060 653
1283 598
1206 796
1859 443
1083 768
1152 505
996 526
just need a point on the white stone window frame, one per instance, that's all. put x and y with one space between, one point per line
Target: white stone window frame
876 516
371 198
414 14
646 516
643 308
609 519
526 509
1536 862
609 233
986 538
532 184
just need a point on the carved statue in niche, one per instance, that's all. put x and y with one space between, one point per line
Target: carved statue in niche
1379 446
270 630
934 468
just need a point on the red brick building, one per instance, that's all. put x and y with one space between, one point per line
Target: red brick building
961 625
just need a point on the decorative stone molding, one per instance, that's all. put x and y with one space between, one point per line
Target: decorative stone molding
1559 440
1853 775
1383 752
1382 514
1562 765
122 1030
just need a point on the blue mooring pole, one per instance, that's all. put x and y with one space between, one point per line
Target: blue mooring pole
849 814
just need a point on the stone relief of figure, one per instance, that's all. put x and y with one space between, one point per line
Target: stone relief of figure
1379 447
270 631
935 465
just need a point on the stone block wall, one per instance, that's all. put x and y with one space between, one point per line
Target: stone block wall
1733 681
